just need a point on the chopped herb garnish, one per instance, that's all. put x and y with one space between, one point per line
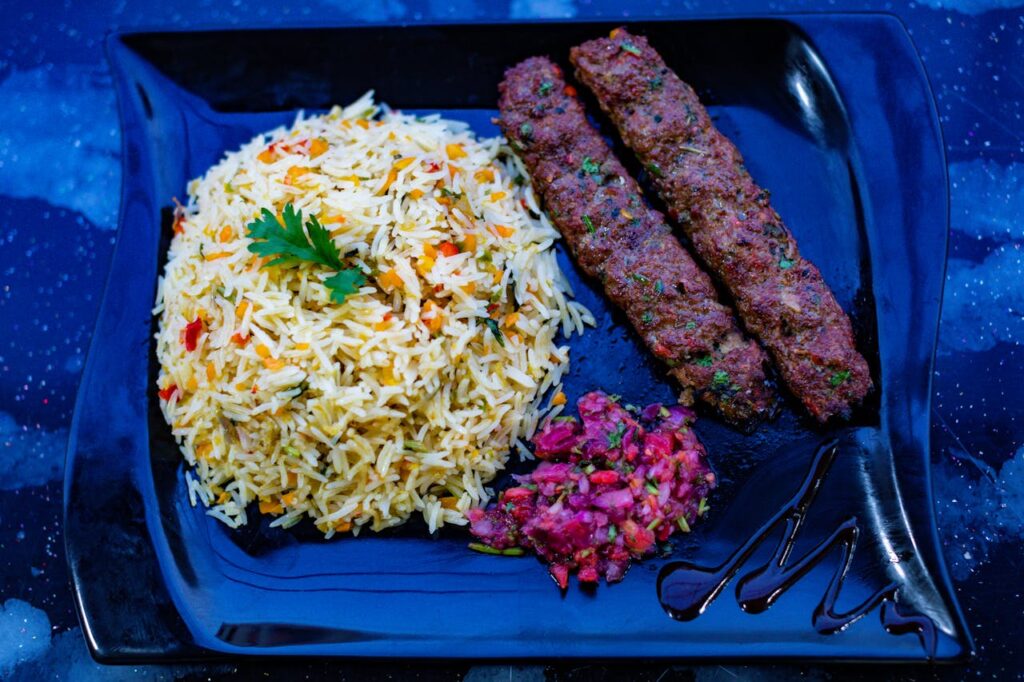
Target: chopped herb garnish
659 287
222 292
691 325
495 330
302 387
647 317
654 169
590 167
630 48
291 243
450 194
704 361
545 88
653 524
683 525
702 508
651 488
640 278
663 412
613 532
839 378
291 451
414 446
615 437
785 263
564 418
526 131
655 83
721 379
484 549
692 150
589 224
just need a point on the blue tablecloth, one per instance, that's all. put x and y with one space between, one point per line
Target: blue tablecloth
59 177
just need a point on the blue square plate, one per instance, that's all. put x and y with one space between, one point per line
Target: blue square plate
833 113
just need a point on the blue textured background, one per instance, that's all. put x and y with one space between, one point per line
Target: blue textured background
59 178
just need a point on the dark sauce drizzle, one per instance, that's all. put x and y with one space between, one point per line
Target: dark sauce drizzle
685 589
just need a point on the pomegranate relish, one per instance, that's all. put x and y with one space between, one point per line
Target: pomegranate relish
609 488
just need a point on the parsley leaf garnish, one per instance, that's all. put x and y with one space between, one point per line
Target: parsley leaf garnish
630 48
589 224
545 88
344 284
292 243
590 167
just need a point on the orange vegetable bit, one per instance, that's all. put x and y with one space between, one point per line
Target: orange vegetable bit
271 507
558 398
416 193
217 255
504 231
392 176
469 242
450 502
262 351
448 249
294 173
455 151
424 264
226 233
318 147
267 155
433 316
390 280
343 526
288 499
485 175
497 196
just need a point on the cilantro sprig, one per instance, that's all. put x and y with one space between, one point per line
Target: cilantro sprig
295 241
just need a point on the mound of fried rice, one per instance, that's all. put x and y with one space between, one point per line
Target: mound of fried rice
408 396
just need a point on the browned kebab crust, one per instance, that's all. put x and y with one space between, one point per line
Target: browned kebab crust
780 296
616 238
